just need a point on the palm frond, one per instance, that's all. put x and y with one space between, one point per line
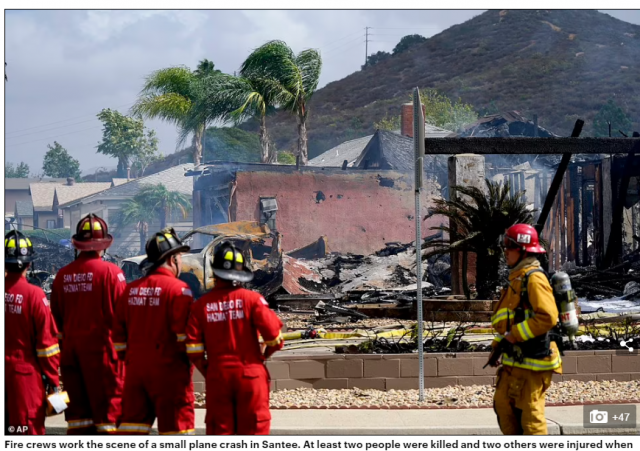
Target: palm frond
296 76
132 212
170 80
310 64
274 59
171 107
156 198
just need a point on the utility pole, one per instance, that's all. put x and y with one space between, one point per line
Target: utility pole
419 151
366 45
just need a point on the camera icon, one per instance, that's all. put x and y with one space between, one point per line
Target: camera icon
598 417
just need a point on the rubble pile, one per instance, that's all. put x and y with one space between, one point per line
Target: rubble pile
344 288
50 255
382 276
613 291
596 285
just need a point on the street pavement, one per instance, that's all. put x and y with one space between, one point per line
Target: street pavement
566 420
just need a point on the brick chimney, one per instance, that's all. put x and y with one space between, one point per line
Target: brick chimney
406 119
71 181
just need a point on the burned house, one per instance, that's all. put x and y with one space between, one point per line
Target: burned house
358 211
586 200
581 222
504 125
583 229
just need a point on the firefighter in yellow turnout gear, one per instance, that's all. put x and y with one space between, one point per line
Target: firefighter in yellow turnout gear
524 316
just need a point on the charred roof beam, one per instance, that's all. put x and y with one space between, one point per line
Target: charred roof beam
529 146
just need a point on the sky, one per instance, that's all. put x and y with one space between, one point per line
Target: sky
65 66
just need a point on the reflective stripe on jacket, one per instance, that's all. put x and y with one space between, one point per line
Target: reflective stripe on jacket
541 315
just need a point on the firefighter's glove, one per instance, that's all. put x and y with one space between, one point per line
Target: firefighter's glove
517 354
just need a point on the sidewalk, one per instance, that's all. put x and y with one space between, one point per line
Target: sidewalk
560 420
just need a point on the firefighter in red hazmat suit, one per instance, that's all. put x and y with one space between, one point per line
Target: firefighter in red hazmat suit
83 301
31 346
225 324
149 334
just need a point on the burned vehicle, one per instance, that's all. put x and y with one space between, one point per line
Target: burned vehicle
257 241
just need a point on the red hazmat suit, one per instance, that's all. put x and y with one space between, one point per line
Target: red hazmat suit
83 302
31 351
225 323
149 334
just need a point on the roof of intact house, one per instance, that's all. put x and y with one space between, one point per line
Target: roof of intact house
348 150
351 150
68 193
24 208
173 178
42 195
23 184
395 149
118 182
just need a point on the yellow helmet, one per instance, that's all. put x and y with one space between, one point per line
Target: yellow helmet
18 248
230 264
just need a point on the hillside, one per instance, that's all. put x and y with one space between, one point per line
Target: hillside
560 65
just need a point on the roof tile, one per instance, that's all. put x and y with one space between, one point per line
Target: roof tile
24 208
173 178
68 193
23 184
42 195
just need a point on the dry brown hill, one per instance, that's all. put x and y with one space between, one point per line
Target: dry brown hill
559 64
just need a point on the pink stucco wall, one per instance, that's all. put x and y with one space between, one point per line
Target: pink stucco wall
359 214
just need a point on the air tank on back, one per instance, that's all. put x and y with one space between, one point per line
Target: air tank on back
566 301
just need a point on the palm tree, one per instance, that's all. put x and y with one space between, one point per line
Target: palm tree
150 201
163 202
289 79
171 93
476 225
206 68
134 211
234 99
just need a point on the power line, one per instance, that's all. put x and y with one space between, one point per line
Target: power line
54 136
360 36
385 34
353 45
343 44
330 58
337 40
53 128
64 120
403 28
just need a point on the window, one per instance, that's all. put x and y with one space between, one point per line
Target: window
51 223
268 210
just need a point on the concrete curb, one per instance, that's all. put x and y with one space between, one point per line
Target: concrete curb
428 431
565 420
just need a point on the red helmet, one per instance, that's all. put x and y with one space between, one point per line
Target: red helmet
92 234
525 237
